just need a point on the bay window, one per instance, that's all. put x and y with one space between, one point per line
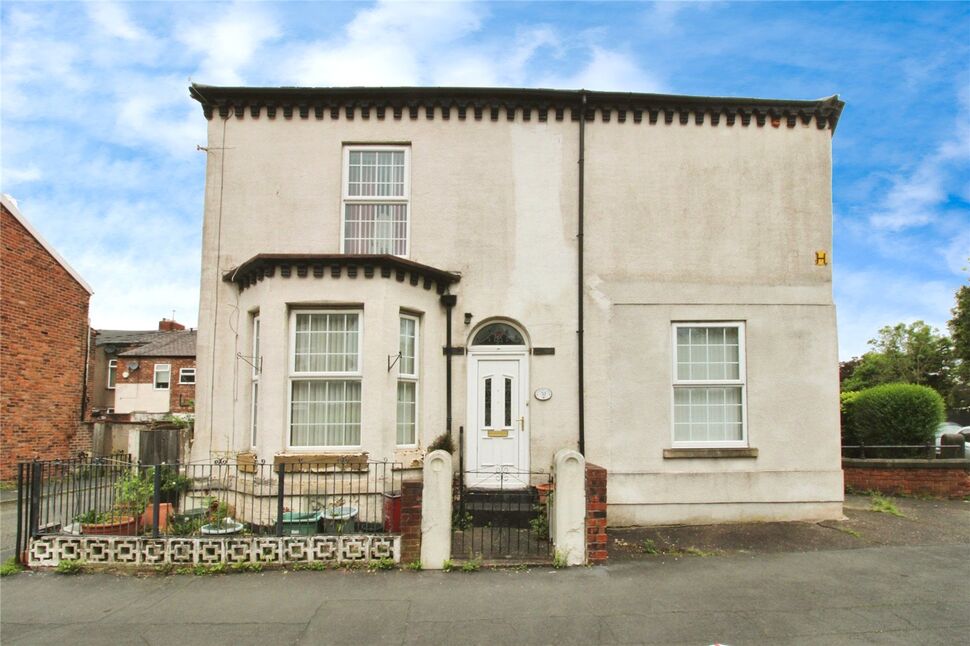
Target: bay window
325 379
407 382
709 385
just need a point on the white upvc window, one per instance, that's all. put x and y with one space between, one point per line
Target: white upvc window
256 369
407 382
112 374
187 376
375 202
325 379
709 398
162 378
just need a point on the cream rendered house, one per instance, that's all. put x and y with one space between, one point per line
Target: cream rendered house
648 284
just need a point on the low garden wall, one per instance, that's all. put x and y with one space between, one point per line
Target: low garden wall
49 551
946 478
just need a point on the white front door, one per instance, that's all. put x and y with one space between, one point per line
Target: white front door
497 440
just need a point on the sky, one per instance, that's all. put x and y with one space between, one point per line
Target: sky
98 138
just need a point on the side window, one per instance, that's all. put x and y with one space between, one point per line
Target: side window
709 385
407 382
187 375
112 373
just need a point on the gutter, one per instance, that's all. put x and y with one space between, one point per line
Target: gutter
449 301
579 274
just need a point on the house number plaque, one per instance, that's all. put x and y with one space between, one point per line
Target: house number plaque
543 394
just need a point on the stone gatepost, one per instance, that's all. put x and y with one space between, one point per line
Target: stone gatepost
436 510
568 521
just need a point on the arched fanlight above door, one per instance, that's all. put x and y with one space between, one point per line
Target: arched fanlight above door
498 334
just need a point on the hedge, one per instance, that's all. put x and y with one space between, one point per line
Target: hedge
847 399
895 414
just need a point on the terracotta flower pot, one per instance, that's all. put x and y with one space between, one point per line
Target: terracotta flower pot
544 490
122 526
165 509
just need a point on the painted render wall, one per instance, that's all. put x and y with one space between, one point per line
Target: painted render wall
683 223
514 248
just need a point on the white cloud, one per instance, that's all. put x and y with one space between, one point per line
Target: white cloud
114 20
228 43
393 43
13 176
871 299
919 198
608 70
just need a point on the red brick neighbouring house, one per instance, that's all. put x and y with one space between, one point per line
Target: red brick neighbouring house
43 347
158 377
115 353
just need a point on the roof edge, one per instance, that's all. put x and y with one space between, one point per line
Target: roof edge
227 100
11 205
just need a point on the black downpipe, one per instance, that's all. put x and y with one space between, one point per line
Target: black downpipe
579 277
448 300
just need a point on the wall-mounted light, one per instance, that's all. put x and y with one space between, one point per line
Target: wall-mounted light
468 318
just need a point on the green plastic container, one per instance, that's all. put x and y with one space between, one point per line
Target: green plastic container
300 524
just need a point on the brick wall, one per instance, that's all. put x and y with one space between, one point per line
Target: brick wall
181 396
411 520
596 542
939 478
43 345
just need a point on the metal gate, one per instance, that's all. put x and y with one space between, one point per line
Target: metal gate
508 522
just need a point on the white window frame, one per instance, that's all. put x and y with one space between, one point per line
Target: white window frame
292 376
346 198
410 377
254 386
155 372
182 373
742 381
112 370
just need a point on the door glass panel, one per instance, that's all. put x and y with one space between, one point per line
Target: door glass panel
488 402
508 401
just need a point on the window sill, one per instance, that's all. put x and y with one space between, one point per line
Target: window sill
744 452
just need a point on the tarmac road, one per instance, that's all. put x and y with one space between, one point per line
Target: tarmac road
878 595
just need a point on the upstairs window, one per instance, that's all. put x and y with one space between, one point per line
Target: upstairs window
112 373
376 200
163 376
187 376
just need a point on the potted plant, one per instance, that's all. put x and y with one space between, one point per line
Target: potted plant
220 520
106 523
339 518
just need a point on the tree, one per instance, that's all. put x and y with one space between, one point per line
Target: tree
915 354
958 400
960 333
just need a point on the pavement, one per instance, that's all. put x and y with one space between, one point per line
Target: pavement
888 592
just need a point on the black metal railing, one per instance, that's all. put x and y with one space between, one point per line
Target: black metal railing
502 516
116 496
926 451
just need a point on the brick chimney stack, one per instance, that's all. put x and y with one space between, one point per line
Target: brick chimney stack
168 325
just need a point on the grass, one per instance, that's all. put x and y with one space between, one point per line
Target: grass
559 560
414 566
386 563
883 505
472 565
69 566
10 566
650 547
447 565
